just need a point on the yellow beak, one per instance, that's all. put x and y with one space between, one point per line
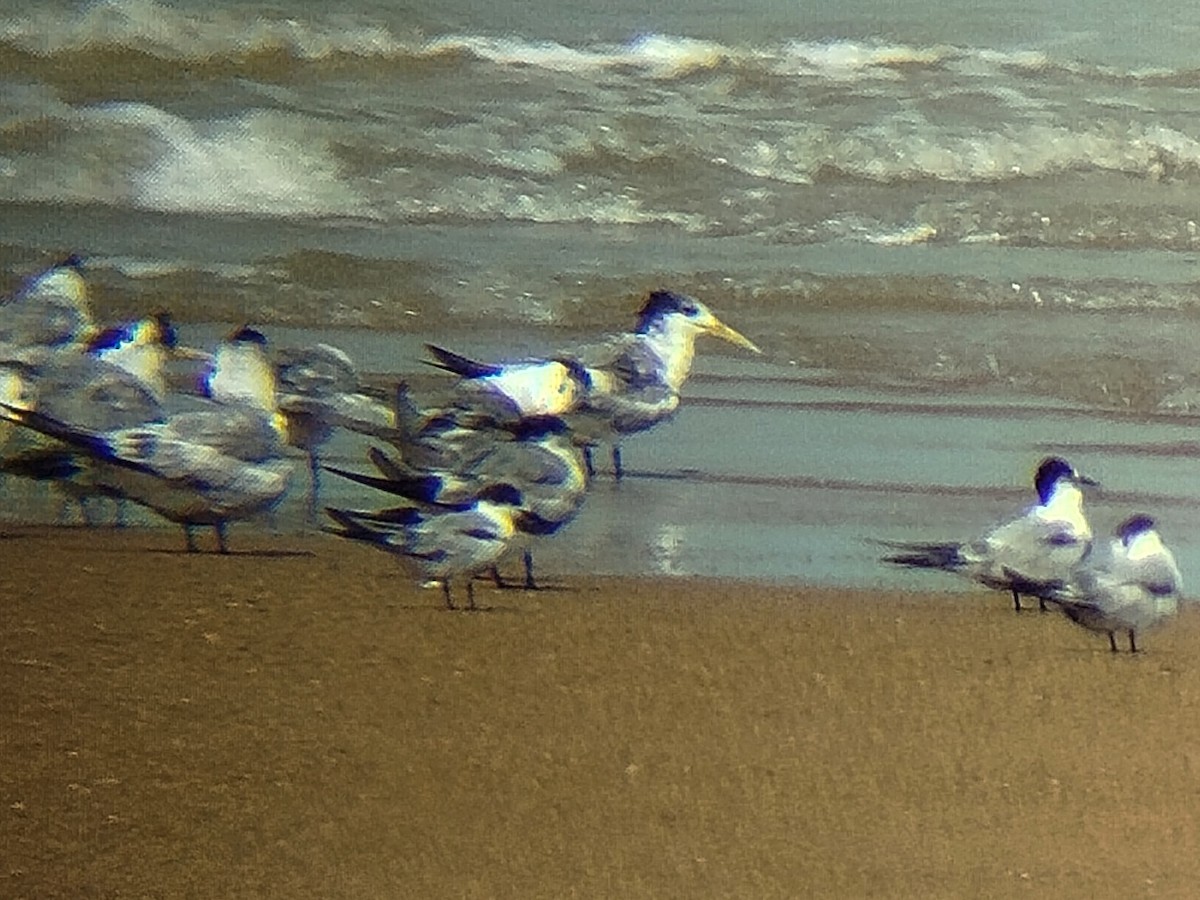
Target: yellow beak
720 330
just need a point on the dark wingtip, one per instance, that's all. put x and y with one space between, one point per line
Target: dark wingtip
460 365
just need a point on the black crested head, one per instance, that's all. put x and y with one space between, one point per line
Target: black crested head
576 370
247 335
532 428
1135 525
501 493
72 261
662 303
167 334
109 338
1052 470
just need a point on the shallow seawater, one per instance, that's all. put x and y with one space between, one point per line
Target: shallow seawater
783 475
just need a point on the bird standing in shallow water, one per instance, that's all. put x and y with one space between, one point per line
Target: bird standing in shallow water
1033 554
632 380
211 466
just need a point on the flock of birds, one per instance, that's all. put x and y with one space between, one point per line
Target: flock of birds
504 459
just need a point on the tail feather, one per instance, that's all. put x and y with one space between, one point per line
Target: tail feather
424 488
89 441
462 366
42 464
926 556
351 527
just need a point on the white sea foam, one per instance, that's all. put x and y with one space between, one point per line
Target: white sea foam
164 30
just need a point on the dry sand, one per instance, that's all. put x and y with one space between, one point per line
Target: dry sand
298 720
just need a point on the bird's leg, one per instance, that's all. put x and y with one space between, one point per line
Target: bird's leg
1112 642
497 579
314 487
470 594
446 593
1016 600
1042 604
219 529
587 460
85 512
530 584
618 469
120 520
190 537
1132 646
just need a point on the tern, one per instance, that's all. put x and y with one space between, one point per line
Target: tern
319 391
210 466
1032 554
51 309
1133 588
535 455
632 379
440 542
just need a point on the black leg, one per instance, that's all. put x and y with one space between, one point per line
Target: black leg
446 593
496 577
470 594
1016 600
219 530
190 537
1112 642
1132 646
530 584
314 487
1042 605
618 469
587 460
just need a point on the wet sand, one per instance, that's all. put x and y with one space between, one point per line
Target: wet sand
298 720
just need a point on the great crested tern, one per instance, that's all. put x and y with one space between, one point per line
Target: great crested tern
632 379
51 309
1133 588
318 392
117 380
536 455
440 542
1033 554
205 467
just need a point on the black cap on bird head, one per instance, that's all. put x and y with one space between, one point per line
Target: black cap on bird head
661 303
576 370
167 334
1135 525
532 428
244 334
71 261
501 493
1052 470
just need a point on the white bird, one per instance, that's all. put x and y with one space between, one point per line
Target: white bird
1033 554
1134 588
632 380
440 542
211 466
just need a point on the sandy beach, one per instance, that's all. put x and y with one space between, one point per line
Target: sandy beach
300 720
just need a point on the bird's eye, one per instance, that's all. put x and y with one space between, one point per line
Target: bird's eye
691 310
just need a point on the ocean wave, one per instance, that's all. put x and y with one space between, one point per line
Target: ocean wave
225 38
260 163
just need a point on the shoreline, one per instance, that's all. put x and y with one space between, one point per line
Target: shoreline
290 721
